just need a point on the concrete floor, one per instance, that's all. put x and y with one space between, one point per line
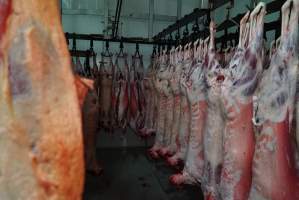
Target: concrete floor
130 175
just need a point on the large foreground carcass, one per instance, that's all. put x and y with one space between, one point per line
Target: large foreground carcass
196 94
274 170
41 138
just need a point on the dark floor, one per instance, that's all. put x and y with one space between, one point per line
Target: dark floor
130 175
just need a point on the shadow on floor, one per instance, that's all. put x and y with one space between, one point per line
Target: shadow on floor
130 175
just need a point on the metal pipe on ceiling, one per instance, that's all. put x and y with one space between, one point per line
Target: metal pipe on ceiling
118 17
115 18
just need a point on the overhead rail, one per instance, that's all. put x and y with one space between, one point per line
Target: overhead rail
101 37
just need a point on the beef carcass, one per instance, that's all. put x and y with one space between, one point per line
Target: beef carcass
106 94
122 91
213 133
196 94
137 98
41 138
274 171
238 89
184 130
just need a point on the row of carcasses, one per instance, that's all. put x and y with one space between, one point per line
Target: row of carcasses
233 126
119 89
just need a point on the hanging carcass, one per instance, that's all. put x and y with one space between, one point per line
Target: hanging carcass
106 96
165 74
87 67
78 66
161 85
184 130
275 176
214 121
242 76
174 82
137 97
196 94
97 76
89 105
41 138
150 111
92 59
121 90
